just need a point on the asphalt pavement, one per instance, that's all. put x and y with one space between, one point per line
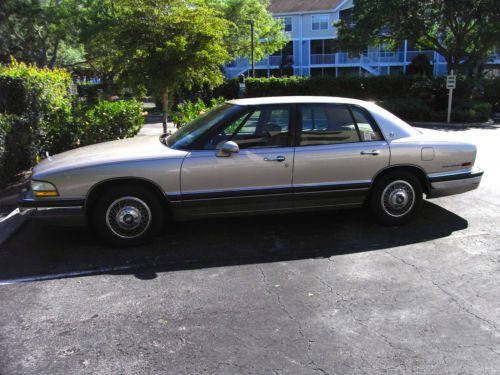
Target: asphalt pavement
315 293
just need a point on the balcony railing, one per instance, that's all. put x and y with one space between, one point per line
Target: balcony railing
323 59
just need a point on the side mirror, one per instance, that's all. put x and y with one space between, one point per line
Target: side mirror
226 148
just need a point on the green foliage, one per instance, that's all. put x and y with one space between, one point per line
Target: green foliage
37 114
408 109
161 45
16 137
420 65
269 35
456 29
189 111
419 110
345 86
108 121
40 32
36 108
413 98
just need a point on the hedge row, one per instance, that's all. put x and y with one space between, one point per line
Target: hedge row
33 103
428 95
38 114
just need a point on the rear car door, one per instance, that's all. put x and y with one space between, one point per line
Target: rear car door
339 150
257 178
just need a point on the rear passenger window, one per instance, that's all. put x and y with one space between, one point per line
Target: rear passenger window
325 124
367 130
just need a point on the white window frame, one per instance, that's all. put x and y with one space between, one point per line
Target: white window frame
282 19
320 19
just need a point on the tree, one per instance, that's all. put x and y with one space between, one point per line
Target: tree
456 29
40 32
163 45
268 31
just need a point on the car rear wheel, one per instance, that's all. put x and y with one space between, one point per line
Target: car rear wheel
396 198
128 216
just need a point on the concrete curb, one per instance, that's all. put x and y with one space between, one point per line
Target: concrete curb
454 125
10 224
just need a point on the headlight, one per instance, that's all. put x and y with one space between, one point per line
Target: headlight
43 189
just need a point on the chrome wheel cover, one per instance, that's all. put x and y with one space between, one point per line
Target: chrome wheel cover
128 217
398 198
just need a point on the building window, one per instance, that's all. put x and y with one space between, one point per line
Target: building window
287 23
320 22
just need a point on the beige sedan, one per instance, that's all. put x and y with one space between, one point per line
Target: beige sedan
253 156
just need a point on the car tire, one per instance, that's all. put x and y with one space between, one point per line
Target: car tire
396 198
128 216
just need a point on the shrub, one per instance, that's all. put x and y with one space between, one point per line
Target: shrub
188 111
36 107
16 136
345 86
419 110
108 121
408 109
471 111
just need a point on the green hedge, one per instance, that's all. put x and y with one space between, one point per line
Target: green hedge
419 110
36 107
108 121
16 138
344 86
414 97
38 114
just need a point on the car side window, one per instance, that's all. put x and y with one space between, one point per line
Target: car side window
325 124
367 129
264 127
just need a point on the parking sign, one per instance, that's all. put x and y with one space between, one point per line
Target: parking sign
451 82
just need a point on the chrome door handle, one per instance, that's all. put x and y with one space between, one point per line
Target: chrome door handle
276 158
372 152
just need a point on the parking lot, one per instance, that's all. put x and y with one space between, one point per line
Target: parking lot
326 293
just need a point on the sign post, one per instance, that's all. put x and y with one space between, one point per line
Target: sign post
451 84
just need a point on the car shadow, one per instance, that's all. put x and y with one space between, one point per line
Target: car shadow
41 251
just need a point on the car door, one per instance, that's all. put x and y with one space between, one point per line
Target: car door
339 150
257 178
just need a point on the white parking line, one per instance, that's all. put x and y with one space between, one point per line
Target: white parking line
13 213
65 275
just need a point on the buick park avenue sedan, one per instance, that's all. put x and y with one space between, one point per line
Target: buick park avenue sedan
253 156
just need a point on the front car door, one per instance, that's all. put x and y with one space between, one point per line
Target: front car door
257 178
339 151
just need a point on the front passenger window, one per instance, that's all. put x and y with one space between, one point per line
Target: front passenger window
264 127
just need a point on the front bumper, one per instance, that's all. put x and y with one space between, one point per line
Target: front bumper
67 212
456 182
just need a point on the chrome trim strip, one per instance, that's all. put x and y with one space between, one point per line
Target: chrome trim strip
321 184
455 172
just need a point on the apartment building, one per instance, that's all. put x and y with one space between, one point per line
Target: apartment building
313 51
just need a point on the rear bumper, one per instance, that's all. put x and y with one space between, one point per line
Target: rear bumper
456 182
67 212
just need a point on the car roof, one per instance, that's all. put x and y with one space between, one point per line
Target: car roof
296 100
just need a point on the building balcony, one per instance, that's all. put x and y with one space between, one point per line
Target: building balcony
324 59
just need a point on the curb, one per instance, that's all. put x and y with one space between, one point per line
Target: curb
456 125
10 224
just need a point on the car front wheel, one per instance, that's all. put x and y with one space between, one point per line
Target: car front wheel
396 198
128 216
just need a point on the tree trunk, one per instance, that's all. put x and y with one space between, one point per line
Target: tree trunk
164 103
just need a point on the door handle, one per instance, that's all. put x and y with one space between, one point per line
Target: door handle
372 152
276 158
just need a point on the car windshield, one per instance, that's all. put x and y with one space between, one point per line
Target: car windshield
186 135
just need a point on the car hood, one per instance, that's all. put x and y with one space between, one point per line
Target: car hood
131 149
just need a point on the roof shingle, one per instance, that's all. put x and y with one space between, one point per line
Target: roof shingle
290 6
